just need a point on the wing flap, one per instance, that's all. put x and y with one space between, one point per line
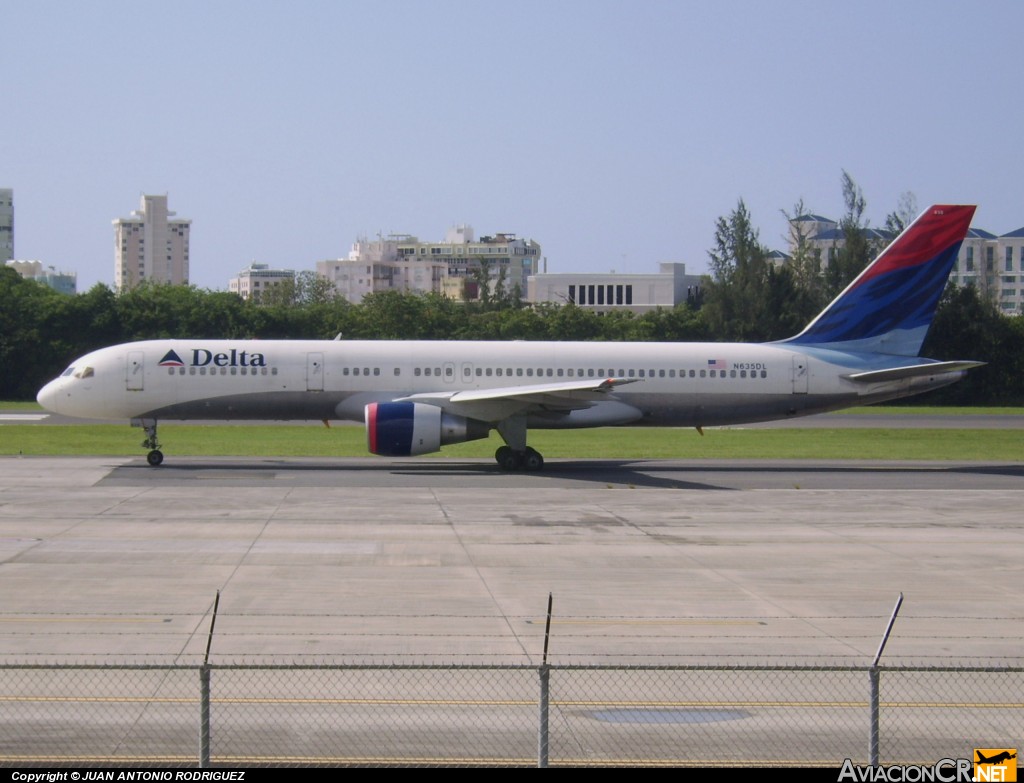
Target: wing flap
497 404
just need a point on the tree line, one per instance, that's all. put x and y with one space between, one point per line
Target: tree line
745 298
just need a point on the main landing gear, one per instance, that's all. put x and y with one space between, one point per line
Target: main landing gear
515 454
155 456
529 459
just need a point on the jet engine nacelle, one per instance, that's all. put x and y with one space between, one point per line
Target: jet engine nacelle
405 429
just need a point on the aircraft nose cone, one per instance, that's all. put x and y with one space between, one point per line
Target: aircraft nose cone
47 396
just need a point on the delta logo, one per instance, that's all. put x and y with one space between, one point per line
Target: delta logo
201 357
995 764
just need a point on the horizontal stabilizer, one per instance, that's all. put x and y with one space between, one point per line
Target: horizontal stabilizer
914 371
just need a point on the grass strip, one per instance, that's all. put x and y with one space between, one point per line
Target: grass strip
604 443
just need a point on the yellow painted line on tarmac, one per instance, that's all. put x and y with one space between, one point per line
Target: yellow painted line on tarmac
641 621
110 620
241 761
603 704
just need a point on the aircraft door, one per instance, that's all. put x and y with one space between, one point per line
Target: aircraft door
449 372
134 371
466 377
801 375
314 372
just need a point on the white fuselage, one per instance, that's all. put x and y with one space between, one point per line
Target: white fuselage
673 384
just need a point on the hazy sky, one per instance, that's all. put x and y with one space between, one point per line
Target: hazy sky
614 133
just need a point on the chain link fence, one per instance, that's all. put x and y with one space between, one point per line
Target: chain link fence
503 715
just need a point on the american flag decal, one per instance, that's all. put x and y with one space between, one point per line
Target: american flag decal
716 364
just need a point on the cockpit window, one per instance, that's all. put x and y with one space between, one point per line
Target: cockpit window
85 372
68 371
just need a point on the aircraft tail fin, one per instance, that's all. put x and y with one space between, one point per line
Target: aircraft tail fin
890 305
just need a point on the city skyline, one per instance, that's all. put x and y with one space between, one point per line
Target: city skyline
613 134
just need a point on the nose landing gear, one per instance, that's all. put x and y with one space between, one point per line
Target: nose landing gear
155 456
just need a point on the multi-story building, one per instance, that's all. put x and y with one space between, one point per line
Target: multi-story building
376 266
6 224
256 279
453 267
993 264
150 246
65 282
613 291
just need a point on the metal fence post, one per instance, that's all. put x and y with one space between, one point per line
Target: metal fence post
873 673
542 729
545 694
204 716
204 688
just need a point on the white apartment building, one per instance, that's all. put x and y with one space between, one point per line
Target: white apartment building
376 266
65 282
150 246
604 293
256 279
993 264
6 224
402 262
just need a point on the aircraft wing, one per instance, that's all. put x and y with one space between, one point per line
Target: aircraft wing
914 371
497 404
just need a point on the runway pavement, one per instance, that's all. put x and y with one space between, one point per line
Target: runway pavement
432 560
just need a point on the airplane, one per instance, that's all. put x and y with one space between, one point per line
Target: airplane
414 397
998 758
